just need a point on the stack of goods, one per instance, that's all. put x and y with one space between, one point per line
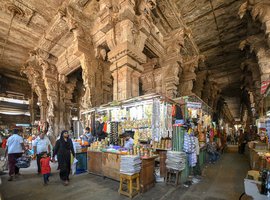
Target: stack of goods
97 146
130 164
176 160
114 133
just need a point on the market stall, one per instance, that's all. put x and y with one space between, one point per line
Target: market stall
107 164
199 113
148 119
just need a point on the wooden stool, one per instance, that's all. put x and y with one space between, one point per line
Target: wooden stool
172 177
128 180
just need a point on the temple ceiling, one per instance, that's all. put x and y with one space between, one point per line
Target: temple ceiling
215 27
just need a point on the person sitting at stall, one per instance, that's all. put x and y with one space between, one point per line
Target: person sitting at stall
128 141
212 150
87 136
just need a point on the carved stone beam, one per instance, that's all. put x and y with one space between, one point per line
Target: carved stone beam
259 10
262 52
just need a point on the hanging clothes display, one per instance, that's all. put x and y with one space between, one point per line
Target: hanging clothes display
190 148
169 120
114 133
156 120
163 120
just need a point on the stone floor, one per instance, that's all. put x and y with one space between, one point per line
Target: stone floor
221 181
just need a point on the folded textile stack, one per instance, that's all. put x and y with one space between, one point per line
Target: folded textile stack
176 160
130 164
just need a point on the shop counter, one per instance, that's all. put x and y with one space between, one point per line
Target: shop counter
147 174
111 165
94 159
108 165
257 162
162 161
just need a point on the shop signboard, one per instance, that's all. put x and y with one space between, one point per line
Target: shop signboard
264 86
195 105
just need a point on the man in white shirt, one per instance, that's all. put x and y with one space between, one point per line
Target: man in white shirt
14 150
128 142
40 145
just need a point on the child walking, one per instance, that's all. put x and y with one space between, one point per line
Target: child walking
45 167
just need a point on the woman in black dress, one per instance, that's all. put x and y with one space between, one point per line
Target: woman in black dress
63 148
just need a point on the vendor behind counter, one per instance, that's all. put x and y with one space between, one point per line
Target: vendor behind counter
128 141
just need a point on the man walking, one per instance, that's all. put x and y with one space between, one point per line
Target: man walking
41 145
14 150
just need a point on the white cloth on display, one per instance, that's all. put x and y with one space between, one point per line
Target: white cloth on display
197 146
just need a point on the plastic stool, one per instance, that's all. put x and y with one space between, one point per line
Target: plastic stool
128 180
172 177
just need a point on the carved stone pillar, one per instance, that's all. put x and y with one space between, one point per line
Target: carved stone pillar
259 10
172 61
199 83
33 107
50 77
190 63
88 75
33 71
263 56
148 77
66 89
126 41
257 44
206 92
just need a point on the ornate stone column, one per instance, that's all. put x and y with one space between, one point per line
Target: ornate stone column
172 61
257 44
199 83
33 107
190 63
125 36
34 74
259 10
150 75
50 76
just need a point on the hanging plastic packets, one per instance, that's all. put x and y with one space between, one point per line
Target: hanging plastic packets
163 131
156 120
189 143
192 159
169 119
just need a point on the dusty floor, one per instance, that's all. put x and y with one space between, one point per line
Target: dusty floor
221 181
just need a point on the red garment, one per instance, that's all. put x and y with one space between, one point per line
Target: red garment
45 165
4 143
105 128
173 110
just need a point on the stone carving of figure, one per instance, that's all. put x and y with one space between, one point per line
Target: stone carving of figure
145 6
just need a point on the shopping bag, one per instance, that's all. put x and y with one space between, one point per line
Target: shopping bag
73 167
4 164
23 162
